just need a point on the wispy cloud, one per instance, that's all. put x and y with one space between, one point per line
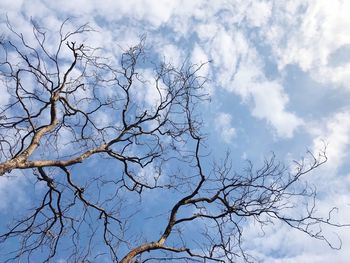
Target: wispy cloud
223 125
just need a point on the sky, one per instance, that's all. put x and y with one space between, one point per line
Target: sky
279 81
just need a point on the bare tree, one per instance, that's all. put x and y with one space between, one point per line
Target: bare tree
77 126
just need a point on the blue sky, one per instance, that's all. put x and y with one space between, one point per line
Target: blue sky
279 81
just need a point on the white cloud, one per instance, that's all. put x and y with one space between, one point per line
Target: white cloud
224 126
155 12
146 92
268 99
279 243
270 103
199 57
171 54
227 46
151 175
335 132
308 33
239 68
10 5
223 50
258 13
